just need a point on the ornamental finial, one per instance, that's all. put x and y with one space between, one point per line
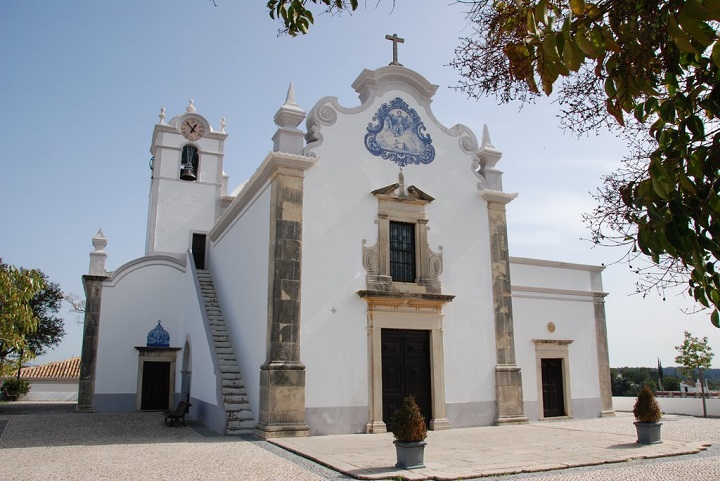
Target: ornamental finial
222 124
190 107
162 115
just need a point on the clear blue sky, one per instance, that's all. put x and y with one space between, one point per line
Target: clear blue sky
82 83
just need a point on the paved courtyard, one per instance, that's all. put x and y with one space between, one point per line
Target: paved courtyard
52 442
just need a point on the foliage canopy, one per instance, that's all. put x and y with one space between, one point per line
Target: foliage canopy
28 304
694 354
652 64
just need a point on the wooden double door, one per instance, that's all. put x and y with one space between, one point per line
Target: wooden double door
405 370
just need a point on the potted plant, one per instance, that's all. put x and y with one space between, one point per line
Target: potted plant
408 427
647 412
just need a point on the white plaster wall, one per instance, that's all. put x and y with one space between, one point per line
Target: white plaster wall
339 211
203 381
52 390
561 293
687 406
138 295
556 275
239 266
183 207
574 320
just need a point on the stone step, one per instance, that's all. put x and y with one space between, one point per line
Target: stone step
241 423
232 379
238 412
240 431
227 358
227 362
234 399
234 391
229 369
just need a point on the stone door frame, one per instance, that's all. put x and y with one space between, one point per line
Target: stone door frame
156 354
419 312
553 349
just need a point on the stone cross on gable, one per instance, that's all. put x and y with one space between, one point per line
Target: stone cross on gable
395 40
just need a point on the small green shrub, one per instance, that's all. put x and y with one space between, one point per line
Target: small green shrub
12 388
646 409
408 423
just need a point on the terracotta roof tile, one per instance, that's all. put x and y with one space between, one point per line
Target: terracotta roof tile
67 369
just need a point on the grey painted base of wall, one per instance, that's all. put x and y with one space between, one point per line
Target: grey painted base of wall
465 415
336 420
587 408
210 415
117 402
582 408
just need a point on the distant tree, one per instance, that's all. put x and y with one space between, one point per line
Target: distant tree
671 383
695 356
17 288
28 307
628 381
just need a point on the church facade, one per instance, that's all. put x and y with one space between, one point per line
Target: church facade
365 260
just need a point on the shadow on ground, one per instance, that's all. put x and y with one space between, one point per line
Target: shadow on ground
34 424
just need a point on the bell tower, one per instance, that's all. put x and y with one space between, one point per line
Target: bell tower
187 184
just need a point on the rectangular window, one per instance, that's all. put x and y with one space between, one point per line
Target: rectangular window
402 252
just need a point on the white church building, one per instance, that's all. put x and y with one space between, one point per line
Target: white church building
365 260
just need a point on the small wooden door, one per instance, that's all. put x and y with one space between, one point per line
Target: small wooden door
198 250
155 386
553 388
406 370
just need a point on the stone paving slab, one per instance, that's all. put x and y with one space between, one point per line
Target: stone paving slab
483 451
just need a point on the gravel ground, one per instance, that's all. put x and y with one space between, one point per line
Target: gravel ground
51 442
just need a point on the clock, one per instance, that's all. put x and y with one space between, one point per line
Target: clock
192 128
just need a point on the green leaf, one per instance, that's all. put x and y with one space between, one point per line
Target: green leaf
577 6
715 319
587 47
680 38
667 111
690 19
572 55
696 126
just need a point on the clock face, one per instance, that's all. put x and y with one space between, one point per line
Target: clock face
192 128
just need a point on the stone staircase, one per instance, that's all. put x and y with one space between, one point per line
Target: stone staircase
237 409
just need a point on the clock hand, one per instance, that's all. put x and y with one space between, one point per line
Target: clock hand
192 128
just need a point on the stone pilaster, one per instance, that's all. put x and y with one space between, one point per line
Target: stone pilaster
86 388
603 355
282 377
508 378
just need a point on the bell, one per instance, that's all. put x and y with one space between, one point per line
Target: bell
187 172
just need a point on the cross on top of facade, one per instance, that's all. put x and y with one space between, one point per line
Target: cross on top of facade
395 40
